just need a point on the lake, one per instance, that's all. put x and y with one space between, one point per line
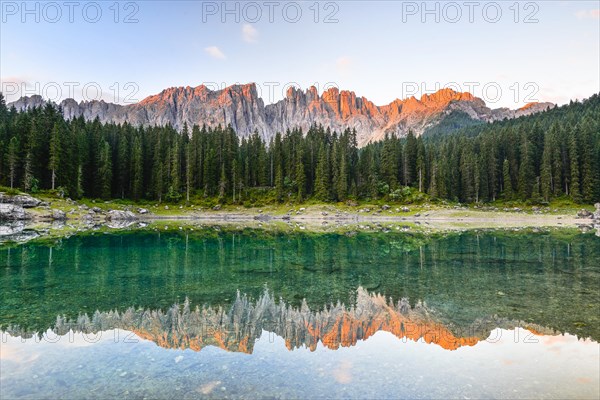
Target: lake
219 312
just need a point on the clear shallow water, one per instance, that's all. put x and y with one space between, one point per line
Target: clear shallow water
484 315
381 367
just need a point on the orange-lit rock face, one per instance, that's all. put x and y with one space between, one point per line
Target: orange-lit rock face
242 107
334 327
345 330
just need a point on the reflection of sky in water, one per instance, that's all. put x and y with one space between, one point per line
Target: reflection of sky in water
510 364
454 292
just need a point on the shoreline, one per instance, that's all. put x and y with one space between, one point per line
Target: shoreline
56 218
499 220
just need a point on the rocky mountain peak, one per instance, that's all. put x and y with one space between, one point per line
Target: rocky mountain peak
241 106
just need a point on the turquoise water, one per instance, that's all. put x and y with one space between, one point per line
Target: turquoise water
259 314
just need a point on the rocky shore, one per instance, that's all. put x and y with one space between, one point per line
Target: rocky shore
19 212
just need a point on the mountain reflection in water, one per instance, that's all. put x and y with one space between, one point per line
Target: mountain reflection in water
238 328
479 305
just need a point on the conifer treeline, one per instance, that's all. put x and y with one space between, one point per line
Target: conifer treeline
540 157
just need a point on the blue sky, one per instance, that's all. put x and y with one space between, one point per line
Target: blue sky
381 50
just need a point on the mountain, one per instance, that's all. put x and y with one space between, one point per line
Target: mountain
238 328
241 106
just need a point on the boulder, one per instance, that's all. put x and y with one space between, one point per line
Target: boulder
143 211
597 213
59 215
57 224
23 200
217 207
585 214
96 209
117 215
88 219
12 212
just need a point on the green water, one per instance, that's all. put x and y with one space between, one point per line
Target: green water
537 278
549 281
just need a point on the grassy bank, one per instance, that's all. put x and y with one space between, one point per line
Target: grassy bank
419 205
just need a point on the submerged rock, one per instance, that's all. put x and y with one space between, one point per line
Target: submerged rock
119 224
16 231
12 228
20 237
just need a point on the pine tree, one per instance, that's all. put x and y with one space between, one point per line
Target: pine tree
222 183
410 159
421 173
300 174
158 171
322 177
137 166
389 161
588 164
123 169
55 150
3 110
105 170
79 186
433 185
546 170
189 165
13 158
557 159
234 177
373 176
574 157
506 180
342 184
174 171
467 174
526 170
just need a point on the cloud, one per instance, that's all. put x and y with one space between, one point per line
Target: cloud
588 14
215 52
249 33
343 64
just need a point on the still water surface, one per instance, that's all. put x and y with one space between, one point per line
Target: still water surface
256 314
